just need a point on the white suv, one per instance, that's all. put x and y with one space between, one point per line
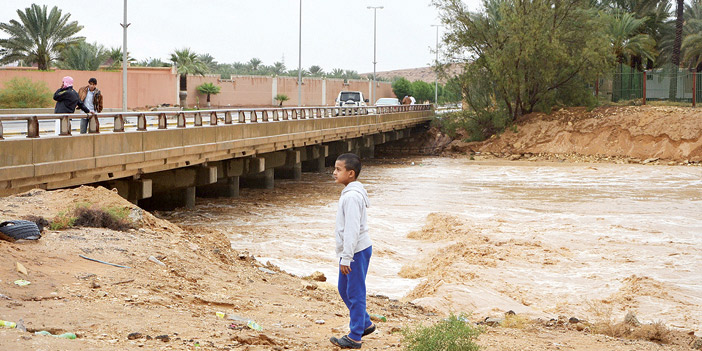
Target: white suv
350 99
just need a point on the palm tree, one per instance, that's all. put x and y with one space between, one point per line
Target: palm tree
187 62
39 37
153 62
626 40
316 71
337 73
281 98
677 44
83 57
209 62
278 68
253 63
115 57
208 89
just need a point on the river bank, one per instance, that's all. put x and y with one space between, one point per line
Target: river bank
203 275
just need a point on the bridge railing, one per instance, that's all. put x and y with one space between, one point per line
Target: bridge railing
199 118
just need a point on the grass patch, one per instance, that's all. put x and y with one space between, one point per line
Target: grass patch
515 321
452 334
86 215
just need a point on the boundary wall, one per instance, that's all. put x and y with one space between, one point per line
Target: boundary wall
154 86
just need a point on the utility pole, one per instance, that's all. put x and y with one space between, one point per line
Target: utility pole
375 11
299 64
124 59
436 74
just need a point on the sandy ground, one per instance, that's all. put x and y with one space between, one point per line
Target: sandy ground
202 275
636 134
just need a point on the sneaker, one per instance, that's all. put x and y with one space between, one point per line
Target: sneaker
369 330
345 343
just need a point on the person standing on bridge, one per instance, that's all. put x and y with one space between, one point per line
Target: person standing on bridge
67 99
354 249
92 99
406 100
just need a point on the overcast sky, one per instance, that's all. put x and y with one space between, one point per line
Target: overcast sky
335 33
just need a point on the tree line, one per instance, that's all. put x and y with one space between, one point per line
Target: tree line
521 56
48 38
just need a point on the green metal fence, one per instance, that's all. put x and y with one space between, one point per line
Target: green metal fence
663 84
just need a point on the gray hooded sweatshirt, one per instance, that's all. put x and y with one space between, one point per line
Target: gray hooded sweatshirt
352 223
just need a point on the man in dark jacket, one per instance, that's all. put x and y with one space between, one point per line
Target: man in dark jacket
67 99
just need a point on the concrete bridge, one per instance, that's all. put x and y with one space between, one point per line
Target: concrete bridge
189 153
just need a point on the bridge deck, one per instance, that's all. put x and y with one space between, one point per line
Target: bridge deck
62 161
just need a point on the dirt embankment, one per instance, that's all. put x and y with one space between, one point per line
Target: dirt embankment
626 134
173 304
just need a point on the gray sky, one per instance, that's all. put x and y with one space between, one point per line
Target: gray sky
335 34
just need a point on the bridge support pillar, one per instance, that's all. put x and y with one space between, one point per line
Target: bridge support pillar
262 180
367 147
292 169
131 189
224 187
316 158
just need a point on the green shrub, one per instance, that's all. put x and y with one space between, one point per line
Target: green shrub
452 334
86 215
22 92
478 127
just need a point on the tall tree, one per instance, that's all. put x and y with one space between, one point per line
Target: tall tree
316 71
83 57
254 63
677 44
115 57
628 44
38 37
187 62
209 62
278 68
522 56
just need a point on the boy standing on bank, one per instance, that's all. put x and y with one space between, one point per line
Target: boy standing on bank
353 247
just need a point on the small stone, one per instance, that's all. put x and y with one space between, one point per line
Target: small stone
320 321
309 285
318 276
510 313
697 345
21 268
134 336
164 338
493 322
573 320
266 270
649 160
95 285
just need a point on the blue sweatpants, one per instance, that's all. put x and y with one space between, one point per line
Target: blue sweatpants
352 288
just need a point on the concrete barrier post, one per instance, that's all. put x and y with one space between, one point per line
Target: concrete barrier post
213 118
198 119
180 118
141 122
162 122
228 117
93 125
254 117
118 124
242 117
33 127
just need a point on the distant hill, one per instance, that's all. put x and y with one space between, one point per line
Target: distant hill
426 74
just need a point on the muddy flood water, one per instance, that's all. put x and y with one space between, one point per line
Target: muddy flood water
543 239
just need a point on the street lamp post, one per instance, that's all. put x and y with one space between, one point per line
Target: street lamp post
124 59
299 57
436 74
375 12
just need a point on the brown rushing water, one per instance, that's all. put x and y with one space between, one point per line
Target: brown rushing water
538 238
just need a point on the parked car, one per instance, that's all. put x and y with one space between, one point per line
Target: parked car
350 99
387 102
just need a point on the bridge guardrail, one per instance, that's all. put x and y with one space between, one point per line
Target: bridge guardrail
226 116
